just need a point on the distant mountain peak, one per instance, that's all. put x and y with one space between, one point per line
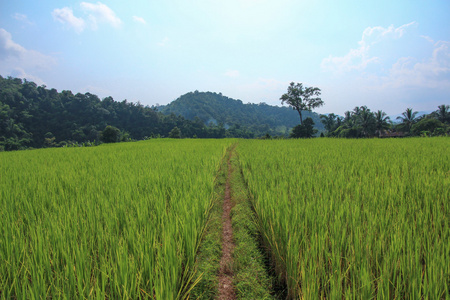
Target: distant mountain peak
209 106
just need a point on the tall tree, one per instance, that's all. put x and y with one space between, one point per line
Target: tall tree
330 121
365 120
302 98
443 113
381 121
408 118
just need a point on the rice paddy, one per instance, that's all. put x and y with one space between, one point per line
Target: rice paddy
115 221
356 219
353 219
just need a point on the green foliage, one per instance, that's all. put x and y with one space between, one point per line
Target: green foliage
408 118
305 130
210 250
302 98
431 126
251 279
111 134
240 120
175 133
443 113
28 112
330 122
359 123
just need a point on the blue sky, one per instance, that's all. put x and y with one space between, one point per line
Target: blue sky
388 55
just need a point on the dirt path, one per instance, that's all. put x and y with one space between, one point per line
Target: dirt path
226 289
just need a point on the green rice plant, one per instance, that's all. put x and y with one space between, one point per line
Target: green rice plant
354 219
114 221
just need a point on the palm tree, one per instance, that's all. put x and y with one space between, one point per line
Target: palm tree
382 122
366 120
348 118
443 113
329 121
408 118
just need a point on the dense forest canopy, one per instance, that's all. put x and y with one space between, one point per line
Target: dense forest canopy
34 116
258 118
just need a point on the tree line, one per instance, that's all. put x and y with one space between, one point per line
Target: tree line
362 122
34 116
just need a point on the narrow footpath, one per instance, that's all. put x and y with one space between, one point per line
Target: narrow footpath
231 262
226 289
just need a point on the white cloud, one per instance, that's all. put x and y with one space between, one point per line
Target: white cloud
359 58
163 42
65 16
96 13
429 39
139 20
22 18
431 72
232 73
20 73
18 61
413 71
100 13
8 47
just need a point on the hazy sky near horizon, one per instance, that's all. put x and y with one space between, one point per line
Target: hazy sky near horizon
388 55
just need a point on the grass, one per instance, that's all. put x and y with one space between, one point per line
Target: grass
210 250
251 279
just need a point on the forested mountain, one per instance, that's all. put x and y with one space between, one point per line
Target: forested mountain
35 116
259 118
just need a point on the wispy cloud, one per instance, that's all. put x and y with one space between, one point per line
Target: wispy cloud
396 77
139 20
100 13
95 14
65 16
22 18
8 47
21 73
164 42
18 61
360 58
232 73
431 72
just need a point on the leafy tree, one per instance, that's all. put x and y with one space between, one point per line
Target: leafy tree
111 134
408 118
302 98
175 133
429 126
305 130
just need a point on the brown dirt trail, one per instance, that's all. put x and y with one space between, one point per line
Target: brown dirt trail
226 289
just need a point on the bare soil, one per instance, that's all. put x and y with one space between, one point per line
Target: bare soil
226 289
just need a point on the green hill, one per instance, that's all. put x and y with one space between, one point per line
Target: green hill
259 118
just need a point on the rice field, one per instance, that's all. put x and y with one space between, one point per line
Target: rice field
354 219
109 222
